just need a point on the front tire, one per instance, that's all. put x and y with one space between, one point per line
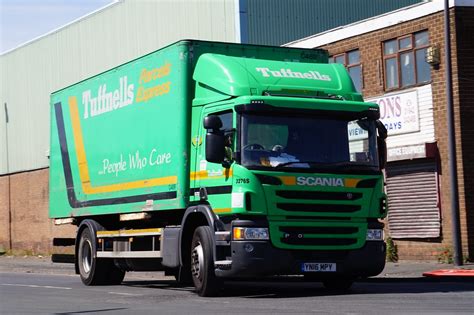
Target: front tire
202 263
95 271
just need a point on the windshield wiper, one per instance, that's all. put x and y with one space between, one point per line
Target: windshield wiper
295 162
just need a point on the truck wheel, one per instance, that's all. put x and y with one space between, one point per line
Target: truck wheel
202 263
95 271
341 284
113 275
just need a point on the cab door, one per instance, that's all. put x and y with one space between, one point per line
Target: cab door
213 181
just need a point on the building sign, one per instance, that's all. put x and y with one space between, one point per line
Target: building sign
410 152
407 152
399 112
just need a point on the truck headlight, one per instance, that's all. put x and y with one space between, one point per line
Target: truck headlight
250 233
374 235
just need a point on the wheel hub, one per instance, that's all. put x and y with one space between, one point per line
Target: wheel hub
86 256
197 261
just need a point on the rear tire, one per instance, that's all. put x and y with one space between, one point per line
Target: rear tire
202 263
95 271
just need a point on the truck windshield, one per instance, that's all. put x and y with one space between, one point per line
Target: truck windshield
302 142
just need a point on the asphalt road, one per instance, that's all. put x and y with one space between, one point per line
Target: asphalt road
33 293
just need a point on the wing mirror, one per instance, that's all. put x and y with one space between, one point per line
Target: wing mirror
381 144
215 140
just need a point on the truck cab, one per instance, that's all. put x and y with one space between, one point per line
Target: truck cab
302 190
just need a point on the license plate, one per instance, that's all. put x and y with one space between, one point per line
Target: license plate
318 267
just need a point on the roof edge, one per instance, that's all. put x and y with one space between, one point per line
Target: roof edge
376 23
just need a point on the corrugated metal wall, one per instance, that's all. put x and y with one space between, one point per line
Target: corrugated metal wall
94 44
276 22
413 200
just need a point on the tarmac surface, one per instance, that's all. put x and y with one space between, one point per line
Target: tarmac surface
399 270
34 285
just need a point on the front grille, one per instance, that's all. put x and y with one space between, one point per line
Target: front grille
307 217
319 241
318 195
319 230
318 207
319 235
304 235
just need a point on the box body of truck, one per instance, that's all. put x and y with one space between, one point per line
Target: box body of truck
139 163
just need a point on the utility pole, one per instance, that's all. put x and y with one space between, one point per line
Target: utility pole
456 233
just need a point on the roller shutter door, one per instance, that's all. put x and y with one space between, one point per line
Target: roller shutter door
412 189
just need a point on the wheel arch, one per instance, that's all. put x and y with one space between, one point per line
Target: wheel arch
193 217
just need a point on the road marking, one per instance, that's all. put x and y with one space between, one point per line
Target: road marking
122 293
35 286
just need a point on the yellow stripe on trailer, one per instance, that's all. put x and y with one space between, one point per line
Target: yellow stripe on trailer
226 173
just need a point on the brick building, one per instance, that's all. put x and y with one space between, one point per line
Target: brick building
398 61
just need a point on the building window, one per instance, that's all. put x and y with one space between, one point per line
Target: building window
351 60
404 61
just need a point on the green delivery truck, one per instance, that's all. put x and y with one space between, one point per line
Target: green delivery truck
212 161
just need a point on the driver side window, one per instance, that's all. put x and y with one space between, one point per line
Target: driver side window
227 127
226 118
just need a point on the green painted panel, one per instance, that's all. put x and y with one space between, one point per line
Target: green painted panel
234 76
111 144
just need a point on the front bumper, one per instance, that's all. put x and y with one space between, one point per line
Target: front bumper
265 260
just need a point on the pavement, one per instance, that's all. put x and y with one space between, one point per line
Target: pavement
416 269
400 270
44 265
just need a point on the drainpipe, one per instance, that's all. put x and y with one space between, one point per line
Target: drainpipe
10 242
457 249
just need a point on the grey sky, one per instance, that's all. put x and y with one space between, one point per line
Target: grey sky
23 20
